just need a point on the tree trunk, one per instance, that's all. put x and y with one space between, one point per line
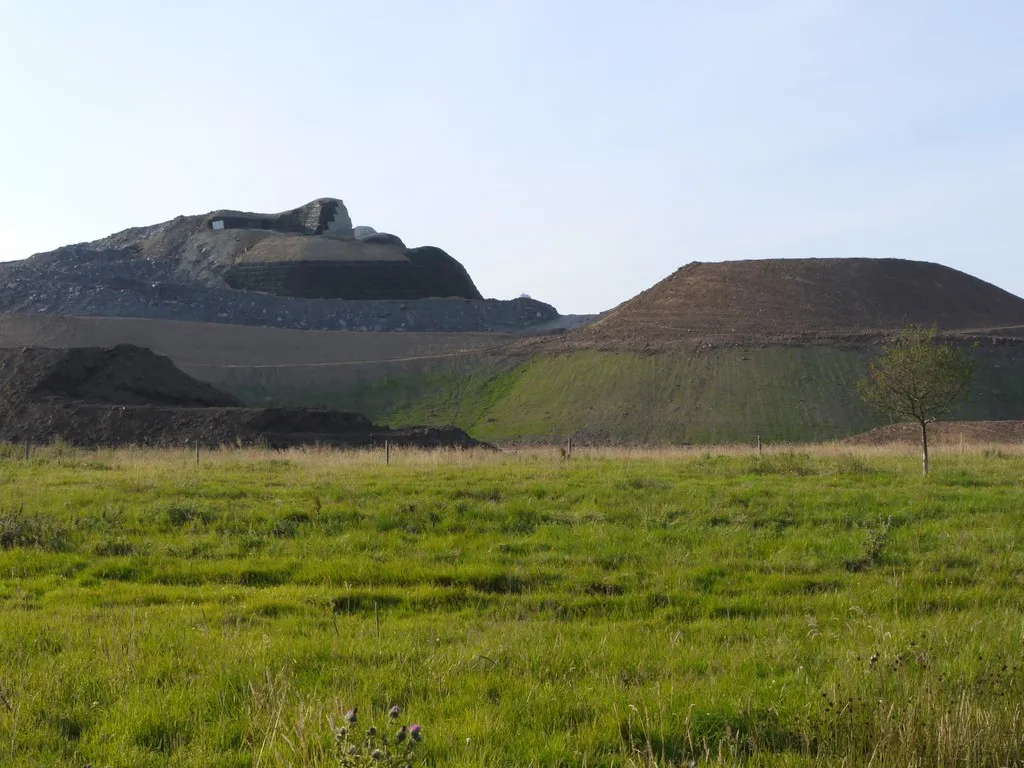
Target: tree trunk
924 446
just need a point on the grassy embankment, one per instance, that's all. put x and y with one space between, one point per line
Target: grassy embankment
616 609
723 395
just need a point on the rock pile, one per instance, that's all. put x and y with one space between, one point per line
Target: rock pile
84 281
307 268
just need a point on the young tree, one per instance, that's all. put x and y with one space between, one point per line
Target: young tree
918 378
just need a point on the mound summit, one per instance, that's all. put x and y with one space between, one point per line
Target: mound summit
311 252
782 299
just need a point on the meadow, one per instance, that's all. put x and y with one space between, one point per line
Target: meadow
623 608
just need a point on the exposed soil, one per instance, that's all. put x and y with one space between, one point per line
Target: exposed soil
90 424
121 375
126 395
195 346
804 300
944 433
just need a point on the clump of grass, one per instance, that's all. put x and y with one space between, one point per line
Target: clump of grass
877 536
786 463
19 529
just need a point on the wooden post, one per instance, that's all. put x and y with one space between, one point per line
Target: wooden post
28 445
759 445
197 453
568 448
387 453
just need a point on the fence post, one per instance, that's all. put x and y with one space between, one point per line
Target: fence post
759 445
28 445
197 453
387 453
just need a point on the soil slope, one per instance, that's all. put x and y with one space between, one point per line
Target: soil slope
804 299
219 345
731 393
128 395
122 375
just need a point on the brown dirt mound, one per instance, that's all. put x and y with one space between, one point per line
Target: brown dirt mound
123 375
126 395
89 424
772 300
944 433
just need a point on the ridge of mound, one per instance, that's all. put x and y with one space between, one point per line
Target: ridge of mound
776 299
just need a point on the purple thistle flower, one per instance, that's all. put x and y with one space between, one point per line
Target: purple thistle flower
416 732
352 716
394 712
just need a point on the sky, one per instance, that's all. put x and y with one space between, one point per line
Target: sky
574 150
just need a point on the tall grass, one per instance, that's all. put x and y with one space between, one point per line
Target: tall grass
623 607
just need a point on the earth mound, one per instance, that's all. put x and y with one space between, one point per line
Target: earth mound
121 375
79 281
126 395
311 252
782 299
307 268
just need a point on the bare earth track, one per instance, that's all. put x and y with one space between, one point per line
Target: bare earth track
196 345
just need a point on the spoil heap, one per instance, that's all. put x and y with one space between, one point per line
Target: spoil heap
804 300
309 252
307 268
126 395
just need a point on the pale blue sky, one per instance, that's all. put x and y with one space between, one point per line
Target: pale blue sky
577 151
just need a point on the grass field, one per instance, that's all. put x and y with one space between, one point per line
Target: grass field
813 607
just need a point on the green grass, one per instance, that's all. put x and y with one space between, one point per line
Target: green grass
632 609
785 394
